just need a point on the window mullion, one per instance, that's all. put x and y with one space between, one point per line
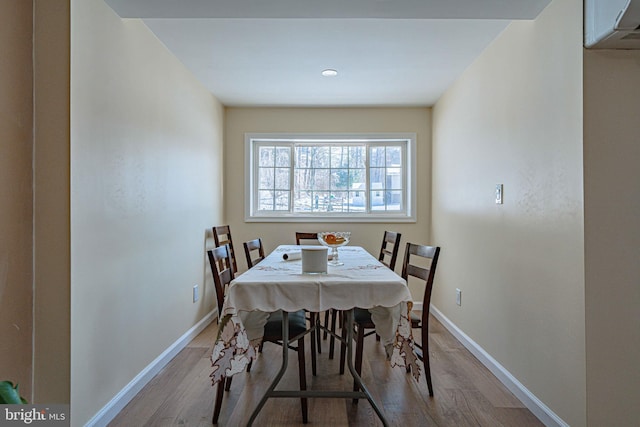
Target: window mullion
255 186
292 188
367 183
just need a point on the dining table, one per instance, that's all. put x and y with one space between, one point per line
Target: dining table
277 283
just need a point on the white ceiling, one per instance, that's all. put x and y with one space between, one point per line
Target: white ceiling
271 52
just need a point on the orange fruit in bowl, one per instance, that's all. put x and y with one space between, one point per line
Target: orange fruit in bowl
330 238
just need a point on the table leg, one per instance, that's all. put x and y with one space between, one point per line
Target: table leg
364 391
283 368
348 323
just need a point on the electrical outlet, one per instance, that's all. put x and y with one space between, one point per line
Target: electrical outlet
196 295
458 296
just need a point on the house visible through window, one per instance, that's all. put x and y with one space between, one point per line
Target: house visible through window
325 177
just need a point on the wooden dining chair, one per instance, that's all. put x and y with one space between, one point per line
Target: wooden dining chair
222 236
388 256
302 235
389 249
311 237
415 259
253 251
223 273
250 249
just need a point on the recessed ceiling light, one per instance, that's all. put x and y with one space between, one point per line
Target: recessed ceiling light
329 73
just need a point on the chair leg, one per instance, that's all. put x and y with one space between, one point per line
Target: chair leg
250 364
326 323
343 349
358 361
313 353
313 320
332 340
218 401
227 386
425 356
317 333
303 379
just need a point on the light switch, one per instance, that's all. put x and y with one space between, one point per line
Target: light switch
498 194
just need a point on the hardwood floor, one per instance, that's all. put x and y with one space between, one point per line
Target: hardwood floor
465 392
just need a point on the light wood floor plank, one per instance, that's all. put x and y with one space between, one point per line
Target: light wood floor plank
466 393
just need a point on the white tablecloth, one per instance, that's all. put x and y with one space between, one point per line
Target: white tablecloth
275 284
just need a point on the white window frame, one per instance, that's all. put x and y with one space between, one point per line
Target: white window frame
409 179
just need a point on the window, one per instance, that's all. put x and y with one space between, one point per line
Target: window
315 177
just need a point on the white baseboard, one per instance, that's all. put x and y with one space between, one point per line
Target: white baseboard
535 405
105 415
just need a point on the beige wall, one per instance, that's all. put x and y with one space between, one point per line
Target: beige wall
239 121
16 145
141 161
146 181
51 203
612 235
515 117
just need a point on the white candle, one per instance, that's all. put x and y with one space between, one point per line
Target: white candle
314 260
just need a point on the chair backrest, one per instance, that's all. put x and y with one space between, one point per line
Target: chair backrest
222 236
389 249
222 272
412 256
301 235
250 248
